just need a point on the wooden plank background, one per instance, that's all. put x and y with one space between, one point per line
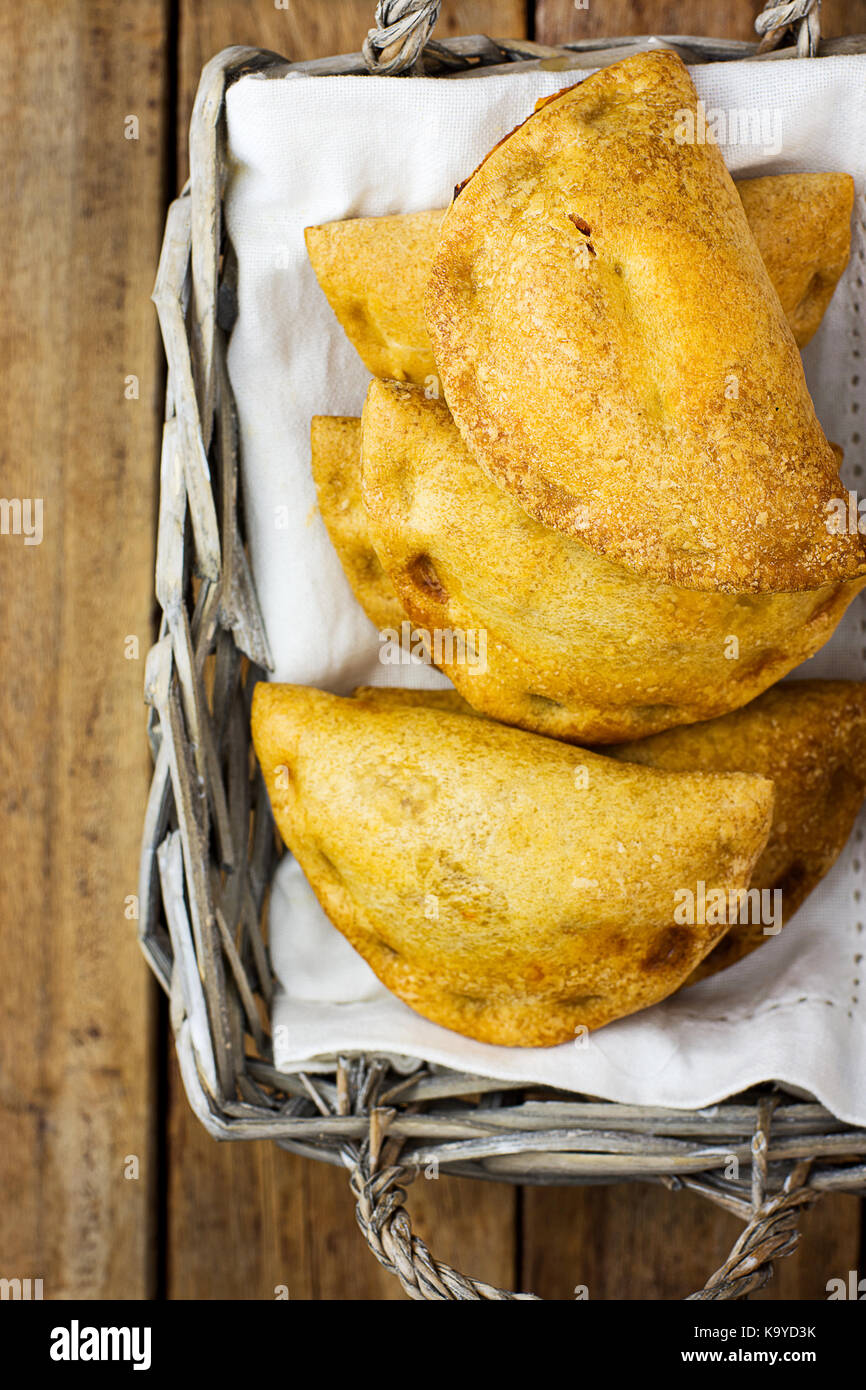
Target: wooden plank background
110 1188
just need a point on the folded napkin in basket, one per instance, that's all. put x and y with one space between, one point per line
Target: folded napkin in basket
306 150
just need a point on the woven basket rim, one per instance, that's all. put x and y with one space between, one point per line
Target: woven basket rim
484 52
204 874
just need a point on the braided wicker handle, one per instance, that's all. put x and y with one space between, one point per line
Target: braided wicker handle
403 30
770 1233
775 19
379 1179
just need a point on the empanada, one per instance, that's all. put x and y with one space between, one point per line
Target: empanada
576 647
336 458
614 353
393 696
411 826
810 738
802 225
374 270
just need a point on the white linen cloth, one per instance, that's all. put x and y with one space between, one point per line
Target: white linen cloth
305 150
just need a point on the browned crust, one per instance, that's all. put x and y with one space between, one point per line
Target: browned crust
389 809
577 648
802 225
389 696
597 388
810 737
374 270
336 461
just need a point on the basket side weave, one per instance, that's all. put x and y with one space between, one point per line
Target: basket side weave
208 851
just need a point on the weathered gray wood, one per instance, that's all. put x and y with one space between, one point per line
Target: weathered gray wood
81 223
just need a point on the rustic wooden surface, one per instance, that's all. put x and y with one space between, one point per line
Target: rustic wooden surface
563 21
81 1071
81 227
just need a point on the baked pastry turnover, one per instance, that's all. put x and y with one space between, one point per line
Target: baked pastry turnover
374 270
810 738
807 737
802 226
336 459
576 647
410 824
614 354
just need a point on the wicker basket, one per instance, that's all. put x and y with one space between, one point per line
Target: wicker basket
209 845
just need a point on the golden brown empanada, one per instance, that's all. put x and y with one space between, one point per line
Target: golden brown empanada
392 696
374 270
576 647
810 738
336 459
802 225
614 354
411 826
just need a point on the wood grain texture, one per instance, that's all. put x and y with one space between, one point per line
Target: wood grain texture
639 1241
243 1218
830 1246
247 1220
81 223
307 30
562 21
